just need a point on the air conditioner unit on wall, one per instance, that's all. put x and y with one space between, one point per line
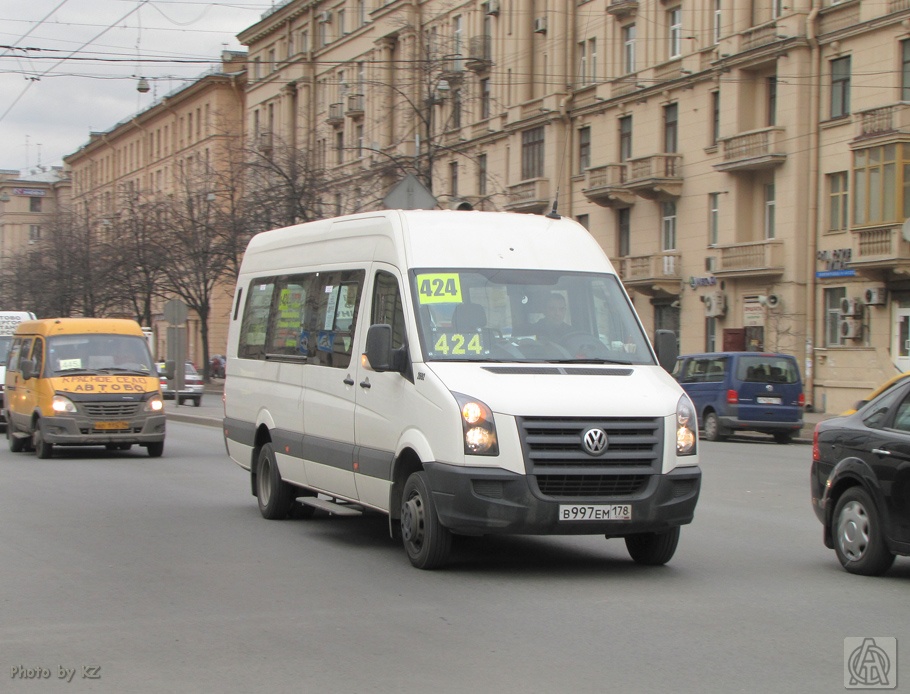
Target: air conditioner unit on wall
491 7
325 17
540 25
876 296
715 304
851 307
851 328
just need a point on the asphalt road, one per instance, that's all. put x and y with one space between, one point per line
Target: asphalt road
122 573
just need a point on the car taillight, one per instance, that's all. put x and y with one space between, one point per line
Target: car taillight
802 400
815 451
732 397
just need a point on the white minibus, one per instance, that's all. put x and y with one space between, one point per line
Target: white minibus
464 373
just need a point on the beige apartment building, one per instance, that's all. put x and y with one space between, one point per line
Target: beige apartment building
743 163
28 203
179 141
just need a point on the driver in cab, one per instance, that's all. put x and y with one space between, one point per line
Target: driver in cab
553 325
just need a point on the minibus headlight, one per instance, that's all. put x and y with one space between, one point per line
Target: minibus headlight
154 404
61 404
686 427
477 426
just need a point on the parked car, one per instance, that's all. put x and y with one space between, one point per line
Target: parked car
744 391
193 385
877 391
860 482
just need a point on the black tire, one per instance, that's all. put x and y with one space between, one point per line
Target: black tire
197 401
712 428
275 496
180 401
16 444
43 449
653 549
155 449
425 539
783 436
857 533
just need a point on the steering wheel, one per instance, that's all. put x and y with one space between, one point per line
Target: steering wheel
584 345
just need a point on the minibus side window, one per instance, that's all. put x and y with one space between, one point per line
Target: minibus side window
256 319
337 299
387 307
14 353
288 322
38 354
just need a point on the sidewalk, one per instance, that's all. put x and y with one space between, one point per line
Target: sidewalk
211 411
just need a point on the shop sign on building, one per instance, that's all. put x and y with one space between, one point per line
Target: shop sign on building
753 314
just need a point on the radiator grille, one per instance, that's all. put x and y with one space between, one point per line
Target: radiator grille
562 468
110 410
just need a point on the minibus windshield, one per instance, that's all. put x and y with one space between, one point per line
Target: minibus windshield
98 354
507 315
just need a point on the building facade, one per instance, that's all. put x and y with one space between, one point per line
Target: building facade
743 164
28 202
177 147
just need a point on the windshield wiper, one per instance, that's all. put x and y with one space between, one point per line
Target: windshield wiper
120 369
79 370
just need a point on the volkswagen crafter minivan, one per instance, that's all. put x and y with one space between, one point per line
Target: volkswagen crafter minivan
82 382
462 372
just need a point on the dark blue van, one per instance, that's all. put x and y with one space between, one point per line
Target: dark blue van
744 391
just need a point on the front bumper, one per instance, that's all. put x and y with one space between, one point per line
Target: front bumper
764 426
478 501
81 431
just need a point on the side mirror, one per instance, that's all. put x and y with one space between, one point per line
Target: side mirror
27 367
379 355
169 368
665 346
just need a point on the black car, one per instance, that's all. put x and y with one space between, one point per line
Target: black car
861 482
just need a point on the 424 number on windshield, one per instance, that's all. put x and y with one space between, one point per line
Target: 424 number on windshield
456 344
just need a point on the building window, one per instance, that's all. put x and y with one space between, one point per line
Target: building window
668 226
453 179
342 29
485 98
34 204
361 13
769 211
777 9
833 299
905 70
875 186
456 108
628 48
840 87
458 41
625 138
587 61
339 147
715 117
482 174
713 218
358 140
838 200
532 144
710 333
34 233
671 127
584 220
772 101
584 149
716 27
624 231
674 24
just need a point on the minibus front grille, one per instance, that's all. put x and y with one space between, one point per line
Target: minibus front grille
110 410
557 459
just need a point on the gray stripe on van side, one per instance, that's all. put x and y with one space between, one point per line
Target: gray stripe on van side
374 463
239 431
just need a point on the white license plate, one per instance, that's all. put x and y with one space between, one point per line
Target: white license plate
582 512
767 401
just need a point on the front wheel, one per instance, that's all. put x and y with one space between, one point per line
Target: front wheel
653 549
425 539
274 494
155 449
16 443
858 538
43 449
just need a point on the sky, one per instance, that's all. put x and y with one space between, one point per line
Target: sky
71 67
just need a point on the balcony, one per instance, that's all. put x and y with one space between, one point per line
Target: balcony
878 251
753 151
656 275
355 106
532 196
336 114
753 259
622 8
882 122
656 177
480 54
606 186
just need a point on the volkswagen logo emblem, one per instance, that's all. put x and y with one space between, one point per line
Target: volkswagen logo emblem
769 387
595 441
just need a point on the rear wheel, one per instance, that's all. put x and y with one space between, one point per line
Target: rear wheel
857 532
783 436
653 549
425 539
274 494
712 428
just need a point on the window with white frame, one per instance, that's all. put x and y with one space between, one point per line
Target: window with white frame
717 20
838 200
628 48
584 148
674 24
769 211
713 218
532 150
668 225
